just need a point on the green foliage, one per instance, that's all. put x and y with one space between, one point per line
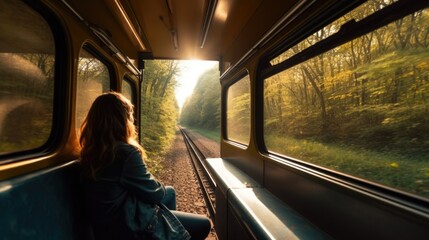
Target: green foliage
26 100
159 110
202 108
359 108
384 167
238 111
27 75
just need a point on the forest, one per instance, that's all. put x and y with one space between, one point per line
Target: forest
361 107
159 110
201 111
26 100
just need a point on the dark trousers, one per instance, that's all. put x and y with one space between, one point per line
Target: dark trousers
197 225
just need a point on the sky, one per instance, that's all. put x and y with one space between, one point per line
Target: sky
190 71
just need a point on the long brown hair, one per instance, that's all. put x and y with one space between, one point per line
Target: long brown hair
109 121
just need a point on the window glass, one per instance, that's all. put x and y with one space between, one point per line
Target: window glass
238 111
127 90
360 108
358 14
93 80
27 59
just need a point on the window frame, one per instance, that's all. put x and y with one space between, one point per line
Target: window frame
347 33
127 79
134 95
89 48
242 74
60 115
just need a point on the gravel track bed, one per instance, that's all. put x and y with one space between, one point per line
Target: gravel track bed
179 173
208 147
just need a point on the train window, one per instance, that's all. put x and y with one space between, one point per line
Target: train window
127 89
238 111
358 14
360 108
27 59
93 80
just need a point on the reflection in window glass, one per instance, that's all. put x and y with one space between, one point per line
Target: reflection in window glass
238 111
360 108
93 80
27 60
358 14
127 90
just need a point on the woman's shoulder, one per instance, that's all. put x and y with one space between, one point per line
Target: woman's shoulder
123 147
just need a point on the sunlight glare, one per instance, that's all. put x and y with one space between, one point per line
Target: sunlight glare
188 75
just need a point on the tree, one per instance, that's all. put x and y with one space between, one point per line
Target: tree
366 91
159 111
202 108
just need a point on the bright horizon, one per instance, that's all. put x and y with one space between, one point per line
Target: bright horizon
189 73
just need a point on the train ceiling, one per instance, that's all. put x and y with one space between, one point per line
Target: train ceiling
187 29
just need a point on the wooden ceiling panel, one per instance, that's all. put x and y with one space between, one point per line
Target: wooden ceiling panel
237 25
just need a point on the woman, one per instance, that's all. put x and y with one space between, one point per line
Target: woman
124 201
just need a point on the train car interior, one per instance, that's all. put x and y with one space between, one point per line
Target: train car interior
262 190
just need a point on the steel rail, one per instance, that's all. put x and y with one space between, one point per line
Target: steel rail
205 180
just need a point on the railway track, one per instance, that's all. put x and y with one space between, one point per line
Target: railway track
205 181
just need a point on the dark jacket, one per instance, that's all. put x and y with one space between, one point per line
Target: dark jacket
122 202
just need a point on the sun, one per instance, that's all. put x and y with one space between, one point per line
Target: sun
187 77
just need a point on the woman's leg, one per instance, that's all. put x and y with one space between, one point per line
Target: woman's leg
198 226
169 199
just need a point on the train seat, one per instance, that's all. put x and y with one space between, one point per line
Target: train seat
46 204
251 210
